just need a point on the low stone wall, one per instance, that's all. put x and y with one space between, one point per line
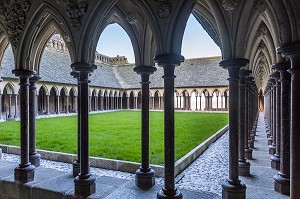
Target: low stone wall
120 165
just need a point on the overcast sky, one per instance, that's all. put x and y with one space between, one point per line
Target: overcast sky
196 42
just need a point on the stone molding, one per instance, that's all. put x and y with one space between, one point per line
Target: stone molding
75 10
14 15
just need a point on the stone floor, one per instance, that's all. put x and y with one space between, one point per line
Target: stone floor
261 184
201 180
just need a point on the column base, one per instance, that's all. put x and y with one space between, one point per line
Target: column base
24 174
145 180
169 194
248 154
275 162
270 140
233 190
244 168
272 149
251 143
76 168
282 184
35 159
85 187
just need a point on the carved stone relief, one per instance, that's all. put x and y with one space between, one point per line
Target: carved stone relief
13 14
164 10
259 6
229 5
75 11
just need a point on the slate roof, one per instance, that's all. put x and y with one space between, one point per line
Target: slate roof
55 67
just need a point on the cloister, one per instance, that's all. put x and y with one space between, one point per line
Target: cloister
55 97
259 40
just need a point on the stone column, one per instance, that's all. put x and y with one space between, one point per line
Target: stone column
282 179
75 104
67 104
177 102
292 51
222 106
16 106
25 171
200 108
128 102
76 163
1 117
210 102
96 103
232 187
145 175
251 85
168 62
272 147
196 103
244 166
84 182
57 105
275 159
248 150
48 104
9 106
34 156
217 102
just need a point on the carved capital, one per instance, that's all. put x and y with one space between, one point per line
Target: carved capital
13 13
75 10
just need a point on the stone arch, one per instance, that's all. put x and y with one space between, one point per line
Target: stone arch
4 42
63 98
216 99
226 97
43 94
124 101
157 100
139 100
215 14
194 101
73 97
54 100
105 100
94 100
49 20
9 100
131 100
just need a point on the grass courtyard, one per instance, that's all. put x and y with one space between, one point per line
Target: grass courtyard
117 135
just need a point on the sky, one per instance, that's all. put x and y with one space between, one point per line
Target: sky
196 42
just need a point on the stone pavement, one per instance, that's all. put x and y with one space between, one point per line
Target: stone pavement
261 184
201 180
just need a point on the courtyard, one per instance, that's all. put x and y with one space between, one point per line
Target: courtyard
117 135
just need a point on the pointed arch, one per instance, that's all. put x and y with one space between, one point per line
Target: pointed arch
44 22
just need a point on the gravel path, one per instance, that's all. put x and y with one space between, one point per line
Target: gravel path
209 170
206 173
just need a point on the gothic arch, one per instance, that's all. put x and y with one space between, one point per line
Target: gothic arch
10 88
44 87
49 20
4 42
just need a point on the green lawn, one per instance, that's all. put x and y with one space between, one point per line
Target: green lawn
116 135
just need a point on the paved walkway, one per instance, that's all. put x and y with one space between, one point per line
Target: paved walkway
201 180
261 184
